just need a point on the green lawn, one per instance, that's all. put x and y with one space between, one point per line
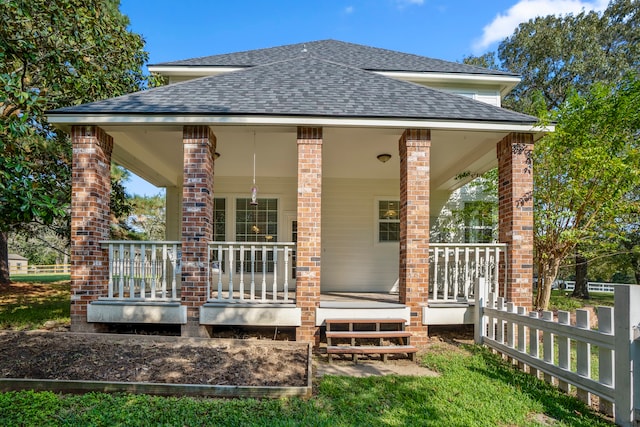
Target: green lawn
562 300
34 300
40 278
475 388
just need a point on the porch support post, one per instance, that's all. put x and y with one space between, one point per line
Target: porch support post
515 216
309 236
415 147
199 145
90 221
173 213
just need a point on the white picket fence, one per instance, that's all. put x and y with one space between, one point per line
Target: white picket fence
531 340
570 285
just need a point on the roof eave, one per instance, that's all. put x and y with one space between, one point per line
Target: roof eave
66 120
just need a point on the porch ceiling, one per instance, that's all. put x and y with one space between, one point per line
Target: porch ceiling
155 152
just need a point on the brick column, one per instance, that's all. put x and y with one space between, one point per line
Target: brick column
309 236
90 220
199 145
515 215
415 146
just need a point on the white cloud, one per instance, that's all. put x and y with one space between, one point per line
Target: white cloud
349 10
503 25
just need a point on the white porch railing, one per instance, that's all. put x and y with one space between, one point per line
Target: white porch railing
143 270
455 267
251 272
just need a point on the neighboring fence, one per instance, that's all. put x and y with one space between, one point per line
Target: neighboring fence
524 336
40 269
251 272
593 286
454 268
143 270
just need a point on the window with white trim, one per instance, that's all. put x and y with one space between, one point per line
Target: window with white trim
388 220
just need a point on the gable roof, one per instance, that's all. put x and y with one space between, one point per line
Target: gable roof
303 86
351 54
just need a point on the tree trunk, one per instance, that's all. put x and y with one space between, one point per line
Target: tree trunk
547 273
581 289
4 260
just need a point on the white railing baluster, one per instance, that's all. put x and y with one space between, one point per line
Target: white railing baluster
264 273
285 286
487 268
253 273
174 263
143 273
230 253
467 278
121 271
446 274
274 254
435 282
111 261
132 271
456 260
163 283
220 265
153 271
241 284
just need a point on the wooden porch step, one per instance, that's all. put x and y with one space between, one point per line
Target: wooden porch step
371 349
360 321
359 331
368 334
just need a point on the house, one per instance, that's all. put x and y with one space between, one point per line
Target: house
301 184
18 264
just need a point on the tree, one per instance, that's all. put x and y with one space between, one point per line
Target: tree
589 166
559 54
53 53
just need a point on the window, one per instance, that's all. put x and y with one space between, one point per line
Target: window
257 223
479 219
388 220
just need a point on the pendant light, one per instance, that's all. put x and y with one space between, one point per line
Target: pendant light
254 188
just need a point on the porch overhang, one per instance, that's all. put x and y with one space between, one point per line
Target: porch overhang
65 121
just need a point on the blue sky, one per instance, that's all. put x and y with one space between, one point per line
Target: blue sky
444 29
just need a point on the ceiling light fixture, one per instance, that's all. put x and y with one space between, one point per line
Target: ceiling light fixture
384 158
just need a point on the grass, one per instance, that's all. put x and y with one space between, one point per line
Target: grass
562 300
34 300
40 278
475 388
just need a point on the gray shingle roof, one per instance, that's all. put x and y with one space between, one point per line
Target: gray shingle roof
303 86
355 55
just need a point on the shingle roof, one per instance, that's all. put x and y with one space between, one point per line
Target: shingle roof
302 86
355 55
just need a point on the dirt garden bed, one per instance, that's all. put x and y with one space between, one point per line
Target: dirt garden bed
252 365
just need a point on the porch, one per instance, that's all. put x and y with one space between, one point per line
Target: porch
253 284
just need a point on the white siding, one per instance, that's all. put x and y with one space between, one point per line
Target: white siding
352 259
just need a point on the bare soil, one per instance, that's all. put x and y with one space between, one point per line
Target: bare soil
151 359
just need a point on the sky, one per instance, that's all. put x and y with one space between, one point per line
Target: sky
443 29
